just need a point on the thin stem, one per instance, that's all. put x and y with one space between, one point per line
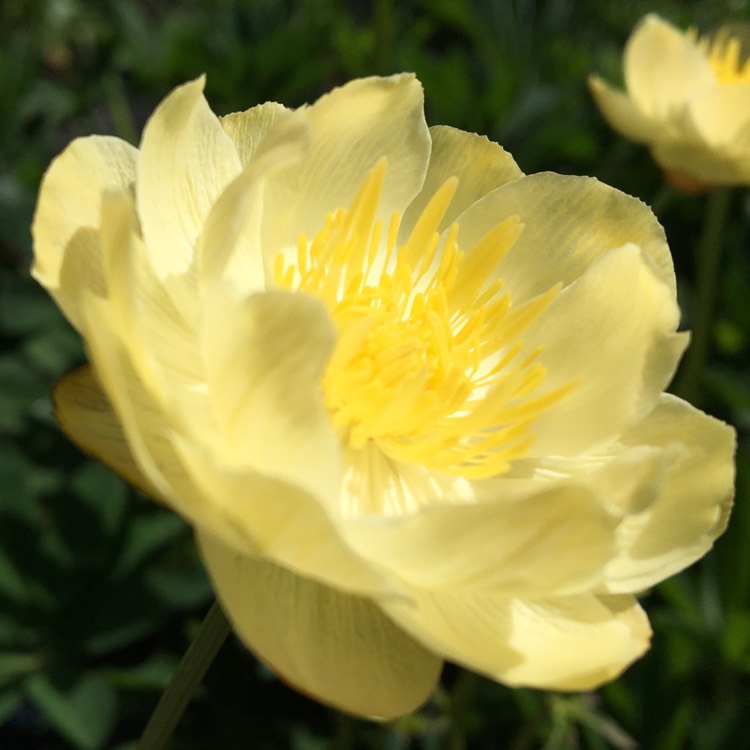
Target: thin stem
707 261
189 674
461 695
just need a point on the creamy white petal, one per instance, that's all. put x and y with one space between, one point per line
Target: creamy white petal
662 68
623 115
352 127
284 523
568 223
480 165
536 542
186 161
230 244
566 643
264 356
335 647
693 501
67 249
147 429
612 335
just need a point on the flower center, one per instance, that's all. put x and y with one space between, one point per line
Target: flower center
428 362
726 56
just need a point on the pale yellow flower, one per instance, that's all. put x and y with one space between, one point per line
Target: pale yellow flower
687 99
409 398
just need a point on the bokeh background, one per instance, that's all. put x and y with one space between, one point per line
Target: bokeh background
101 591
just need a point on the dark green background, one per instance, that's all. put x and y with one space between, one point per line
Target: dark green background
100 591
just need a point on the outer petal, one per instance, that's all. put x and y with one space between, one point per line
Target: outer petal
480 165
352 128
144 424
67 251
612 334
187 160
162 346
573 643
554 541
662 68
336 647
561 239
623 115
693 504
86 416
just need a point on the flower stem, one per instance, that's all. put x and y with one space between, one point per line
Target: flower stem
189 674
708 255
461 695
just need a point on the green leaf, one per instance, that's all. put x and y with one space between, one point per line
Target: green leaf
83 713
10 703
14 666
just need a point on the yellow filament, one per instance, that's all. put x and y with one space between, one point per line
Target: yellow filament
428 362
728 61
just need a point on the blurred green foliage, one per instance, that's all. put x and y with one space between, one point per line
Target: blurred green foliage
100 590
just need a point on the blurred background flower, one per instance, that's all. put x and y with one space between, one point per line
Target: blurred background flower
687 99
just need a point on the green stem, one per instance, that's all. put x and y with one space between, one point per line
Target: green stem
461 695
708 255
189 674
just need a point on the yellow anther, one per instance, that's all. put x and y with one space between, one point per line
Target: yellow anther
428 363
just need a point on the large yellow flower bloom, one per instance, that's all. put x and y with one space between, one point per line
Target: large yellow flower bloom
409 398
688 99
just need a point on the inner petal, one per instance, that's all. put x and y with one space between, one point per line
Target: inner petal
427 366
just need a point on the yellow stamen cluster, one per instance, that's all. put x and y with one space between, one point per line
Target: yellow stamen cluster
728 61
428 362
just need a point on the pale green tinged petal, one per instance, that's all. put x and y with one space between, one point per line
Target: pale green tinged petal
693 501
537 542
67 250
623 115
336 647
566 643
86 417
352 127
480 165
249 129
560 239
264 356
186 161
662 68
612 335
